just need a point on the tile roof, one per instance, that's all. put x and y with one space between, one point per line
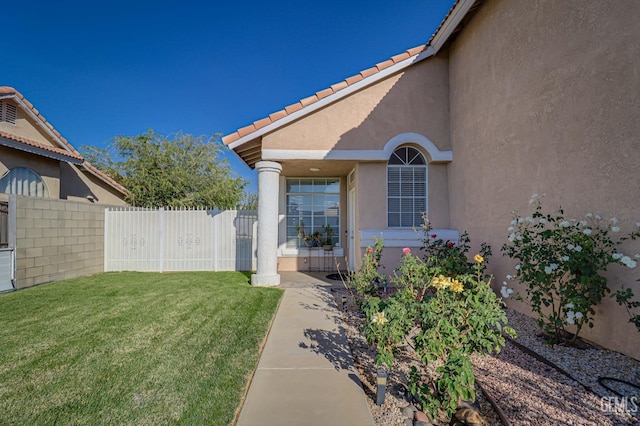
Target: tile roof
66 148
452 23
6 90
256 125
39 145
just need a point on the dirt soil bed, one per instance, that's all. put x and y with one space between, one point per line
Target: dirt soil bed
526 390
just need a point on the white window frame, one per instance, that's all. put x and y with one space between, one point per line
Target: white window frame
33 185
423 166
337 238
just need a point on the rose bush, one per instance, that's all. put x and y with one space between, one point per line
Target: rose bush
561 262
444 308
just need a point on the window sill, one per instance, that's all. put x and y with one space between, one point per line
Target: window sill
309 252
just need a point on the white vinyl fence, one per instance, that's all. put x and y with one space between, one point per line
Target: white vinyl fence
7 269
179 240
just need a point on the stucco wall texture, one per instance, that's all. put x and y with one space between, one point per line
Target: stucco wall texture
57 240
544 99
412 101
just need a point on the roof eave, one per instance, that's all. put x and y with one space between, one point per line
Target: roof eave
39 151
428 52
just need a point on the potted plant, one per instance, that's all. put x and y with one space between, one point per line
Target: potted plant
317 238
309 241
327 244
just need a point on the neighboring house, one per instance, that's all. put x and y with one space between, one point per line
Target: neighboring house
507 99
35 160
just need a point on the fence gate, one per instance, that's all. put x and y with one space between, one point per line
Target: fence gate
6 254
179 240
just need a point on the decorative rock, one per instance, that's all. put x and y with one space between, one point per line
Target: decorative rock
408 411
421 417
408 422
421 423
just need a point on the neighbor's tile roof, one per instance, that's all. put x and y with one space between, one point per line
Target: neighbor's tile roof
6 90
232 137
69 151
39 145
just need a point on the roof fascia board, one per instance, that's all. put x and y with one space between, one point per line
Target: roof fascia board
448 27
38 151
36 119
334 97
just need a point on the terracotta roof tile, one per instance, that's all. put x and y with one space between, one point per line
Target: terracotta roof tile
246 130
399 58
416 50
339 86
370 71
70 151
35 144
261 123
384 64
308 101
230 138
277 115
353 79
293 108
324 93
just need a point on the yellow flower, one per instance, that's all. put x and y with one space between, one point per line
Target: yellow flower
441 282
478 258
379 318
456 286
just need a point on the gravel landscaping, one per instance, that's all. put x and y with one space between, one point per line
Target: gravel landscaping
527 390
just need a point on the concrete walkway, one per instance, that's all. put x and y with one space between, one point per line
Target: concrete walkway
306 374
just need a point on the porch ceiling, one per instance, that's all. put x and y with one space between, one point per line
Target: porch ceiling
329 168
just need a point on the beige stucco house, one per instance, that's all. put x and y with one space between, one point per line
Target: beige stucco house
35 160
507 99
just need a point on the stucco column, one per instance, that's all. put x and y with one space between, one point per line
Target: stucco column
268 189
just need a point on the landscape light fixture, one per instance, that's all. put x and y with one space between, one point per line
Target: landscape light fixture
344 303
382 386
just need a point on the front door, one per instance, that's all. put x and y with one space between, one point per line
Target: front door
351 236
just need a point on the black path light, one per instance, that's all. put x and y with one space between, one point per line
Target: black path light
382 386
344 303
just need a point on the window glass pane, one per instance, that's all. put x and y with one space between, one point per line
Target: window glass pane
333 186
293 185
394 219
314 202
306 185
406 187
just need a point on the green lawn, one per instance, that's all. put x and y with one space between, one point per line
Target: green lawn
131 348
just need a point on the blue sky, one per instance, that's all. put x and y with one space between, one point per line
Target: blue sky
100 69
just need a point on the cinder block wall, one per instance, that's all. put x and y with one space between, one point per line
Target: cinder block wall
57 239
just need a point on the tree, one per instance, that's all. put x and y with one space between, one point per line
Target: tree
185 171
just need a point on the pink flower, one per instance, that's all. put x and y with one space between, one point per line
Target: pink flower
406 250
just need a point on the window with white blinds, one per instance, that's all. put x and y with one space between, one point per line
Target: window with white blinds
23 181
406 188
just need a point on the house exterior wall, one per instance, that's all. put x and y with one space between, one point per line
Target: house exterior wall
76 185
544 99
48 169
415 100
25 127
57 239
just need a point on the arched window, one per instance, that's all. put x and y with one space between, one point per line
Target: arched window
406 188
23 181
